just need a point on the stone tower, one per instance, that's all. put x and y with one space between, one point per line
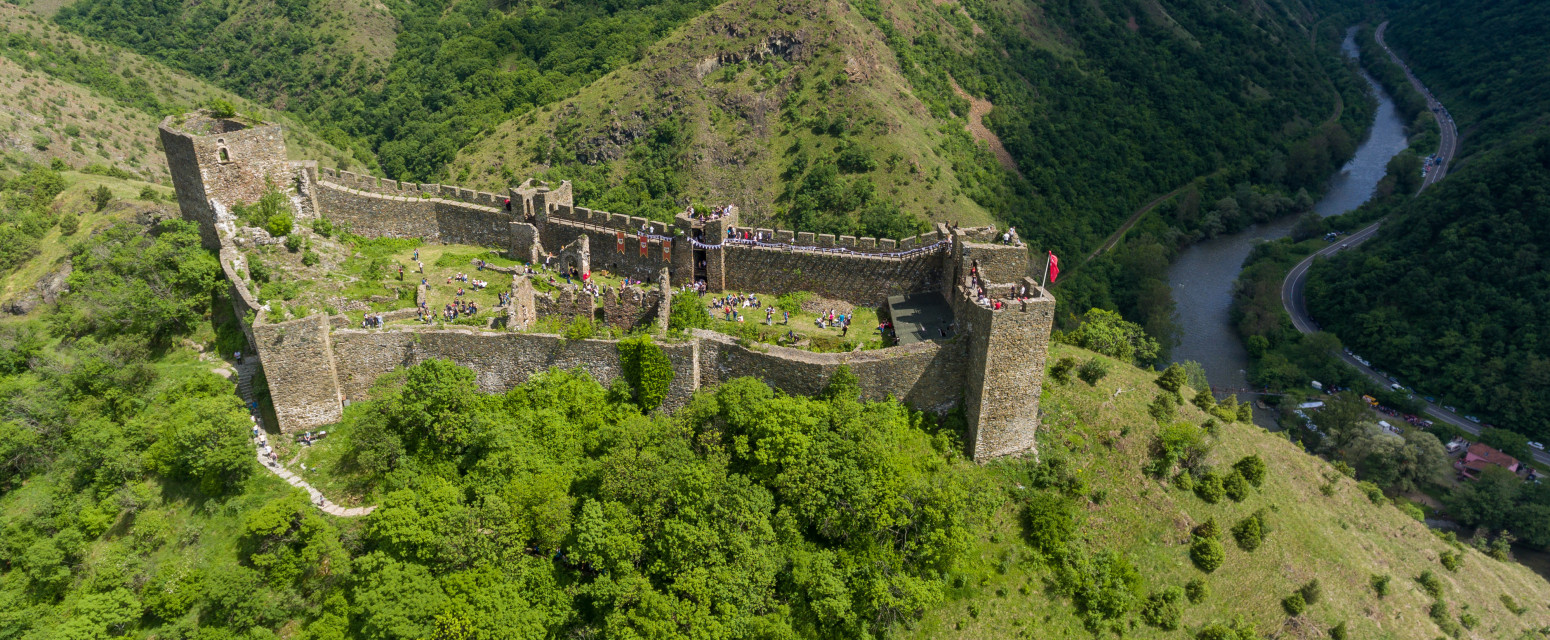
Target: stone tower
1007 347
219 162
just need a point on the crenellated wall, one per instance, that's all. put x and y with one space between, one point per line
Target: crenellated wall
315 365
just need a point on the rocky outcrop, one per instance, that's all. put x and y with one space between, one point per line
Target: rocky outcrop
45 291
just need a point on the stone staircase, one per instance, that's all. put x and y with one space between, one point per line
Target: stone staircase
245 374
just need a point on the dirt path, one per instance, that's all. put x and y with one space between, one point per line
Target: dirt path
978 107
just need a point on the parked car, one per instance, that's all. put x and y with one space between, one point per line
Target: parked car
1537 445
1450 408
1472 419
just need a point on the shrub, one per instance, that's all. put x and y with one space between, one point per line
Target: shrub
1469 620
221 108
69 224
1049 521
1245 413
257 270
280 224
293 243
1339 632
1206 553
1235 486
1372 492
1163 609
149 195
578 329
1253 469
1173 380
1452 560
1207 529
687 313
1184 480
322 226
1513 606
1204 401
1380 584
1345 469
1227 409
1248 533
1311 592
792 302
1209 487
1197 591
310 258
1172 444
1061 370
1163 409
1092 371
1430 583
1294 604
649 371
101 197
1439 615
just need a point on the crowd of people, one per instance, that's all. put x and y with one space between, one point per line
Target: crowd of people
715 213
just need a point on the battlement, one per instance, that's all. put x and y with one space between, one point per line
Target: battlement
993 365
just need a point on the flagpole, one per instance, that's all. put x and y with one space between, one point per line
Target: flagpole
1046 271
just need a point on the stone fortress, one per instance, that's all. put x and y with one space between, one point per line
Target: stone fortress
992 362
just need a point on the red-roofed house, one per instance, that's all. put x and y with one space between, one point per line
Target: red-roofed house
1479 456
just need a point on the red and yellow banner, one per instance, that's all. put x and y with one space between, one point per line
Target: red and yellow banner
619 235
643 246
667 250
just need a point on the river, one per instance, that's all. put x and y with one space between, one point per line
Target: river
1202 276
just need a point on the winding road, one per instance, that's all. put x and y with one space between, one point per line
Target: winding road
1293 287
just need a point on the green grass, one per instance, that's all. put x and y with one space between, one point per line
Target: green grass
1341 539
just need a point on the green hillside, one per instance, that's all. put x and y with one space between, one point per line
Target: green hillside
132 505
1481 63
87 103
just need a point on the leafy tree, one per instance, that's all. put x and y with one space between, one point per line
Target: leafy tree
649 370
204 439
287 541
1162 409
1176 443
437 404
687 313
1107 333
1235 486
126 281
1173 380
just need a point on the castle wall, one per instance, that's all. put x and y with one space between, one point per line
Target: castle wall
857 279
298 359
377 215
926 375
500 360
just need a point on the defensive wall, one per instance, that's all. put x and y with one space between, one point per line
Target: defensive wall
993 365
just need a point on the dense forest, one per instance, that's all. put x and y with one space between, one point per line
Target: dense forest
1453 296
1482 61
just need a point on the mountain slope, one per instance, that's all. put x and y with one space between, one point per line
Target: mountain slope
85 102
1103 438
1092 109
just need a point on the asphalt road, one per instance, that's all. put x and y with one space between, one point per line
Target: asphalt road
1449 132
1292 288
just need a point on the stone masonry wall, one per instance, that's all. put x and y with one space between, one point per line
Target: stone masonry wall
298 361
926 375
500 360
856 279
433 219
1007 352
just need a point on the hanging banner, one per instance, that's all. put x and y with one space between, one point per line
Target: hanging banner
667 250
643 240
619 235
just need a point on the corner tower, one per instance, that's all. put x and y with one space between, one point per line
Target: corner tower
218 162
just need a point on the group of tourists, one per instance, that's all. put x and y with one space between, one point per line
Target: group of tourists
715 213
831 319
371 322
474 282
456 309
745 235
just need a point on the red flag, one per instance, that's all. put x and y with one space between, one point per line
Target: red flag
1054 267
619 236
643 245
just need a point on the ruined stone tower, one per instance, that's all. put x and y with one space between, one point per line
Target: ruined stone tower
219 162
